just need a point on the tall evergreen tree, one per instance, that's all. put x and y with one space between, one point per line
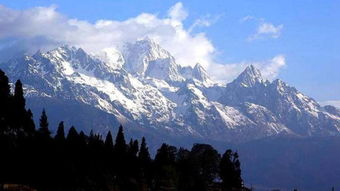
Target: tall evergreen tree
29 122
91 134
72 135
60 136
4 101
238 182
145 162
109 141
121 159
130 143
18 116
4 86
144 155
43 130
19 96
134 149
82 139
120 145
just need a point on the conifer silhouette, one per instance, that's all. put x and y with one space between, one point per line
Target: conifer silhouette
109 141
43 130
19 96
4 102
144 155
120 144
60 136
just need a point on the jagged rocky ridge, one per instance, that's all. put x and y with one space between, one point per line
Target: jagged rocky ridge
143 88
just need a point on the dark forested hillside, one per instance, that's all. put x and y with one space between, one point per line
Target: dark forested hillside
34 157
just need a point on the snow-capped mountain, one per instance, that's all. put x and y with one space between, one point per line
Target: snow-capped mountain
301 114
144 88
145 58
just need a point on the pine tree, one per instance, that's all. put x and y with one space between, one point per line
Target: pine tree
43 130
4 86
94 140
72 135
237 171
135 148
130 144
29 124
4 101
109 141
120 145
144 155
60 136
226 170
82 139
145 162
19 96
91 134
121 163
17 111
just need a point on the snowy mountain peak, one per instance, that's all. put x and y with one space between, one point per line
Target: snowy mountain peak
112 58
199 71
201 74
279 84
65 48
249 77
65 52
147 41
138 55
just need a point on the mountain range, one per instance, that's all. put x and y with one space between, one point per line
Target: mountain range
285 138
143 88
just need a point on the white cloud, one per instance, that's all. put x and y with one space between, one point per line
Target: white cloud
247 18
205 21
271 68
177 12
266 29
270 29
45 28
53 28
227 72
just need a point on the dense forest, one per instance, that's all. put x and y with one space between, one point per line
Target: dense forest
33 157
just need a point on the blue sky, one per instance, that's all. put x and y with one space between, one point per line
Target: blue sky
304 32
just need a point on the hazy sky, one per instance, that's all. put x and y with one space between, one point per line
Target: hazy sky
297 41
